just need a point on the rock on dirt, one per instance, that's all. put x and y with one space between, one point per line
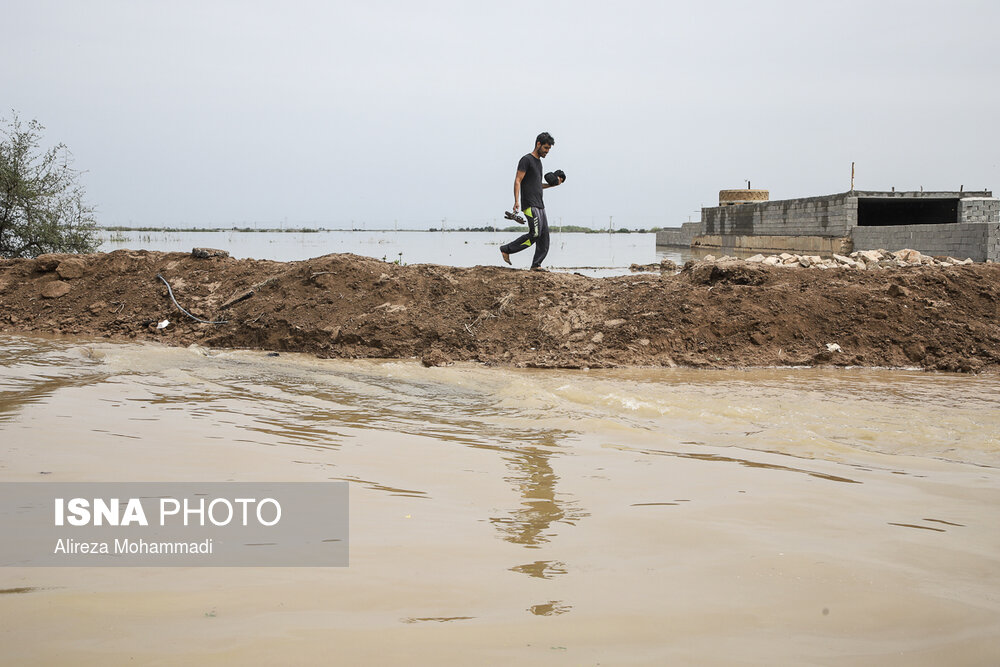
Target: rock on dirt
55 289
70 268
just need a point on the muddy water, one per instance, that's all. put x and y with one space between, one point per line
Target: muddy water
525 517
589 254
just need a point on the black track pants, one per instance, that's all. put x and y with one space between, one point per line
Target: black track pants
538 236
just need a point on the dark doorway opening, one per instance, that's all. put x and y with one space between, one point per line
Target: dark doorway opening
885 211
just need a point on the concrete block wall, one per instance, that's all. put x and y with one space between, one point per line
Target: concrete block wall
750 245
979 209
800 223
958 240
680 236
833 215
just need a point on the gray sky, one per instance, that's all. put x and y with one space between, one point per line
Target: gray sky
234 112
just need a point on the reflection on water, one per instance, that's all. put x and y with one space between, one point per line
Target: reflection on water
550 608
742 462
532 476
375 486
911 525
541 569
947 523
529 417
32 369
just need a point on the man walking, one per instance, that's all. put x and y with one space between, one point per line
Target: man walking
528 188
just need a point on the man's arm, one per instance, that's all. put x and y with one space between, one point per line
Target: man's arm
518 177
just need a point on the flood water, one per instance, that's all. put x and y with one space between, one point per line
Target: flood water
590 254
499 517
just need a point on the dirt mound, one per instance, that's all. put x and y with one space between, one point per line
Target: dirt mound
726 314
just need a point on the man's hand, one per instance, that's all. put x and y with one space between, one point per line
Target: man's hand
554 178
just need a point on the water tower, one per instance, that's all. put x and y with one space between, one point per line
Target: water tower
742 196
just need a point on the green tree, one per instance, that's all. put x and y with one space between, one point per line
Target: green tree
42 207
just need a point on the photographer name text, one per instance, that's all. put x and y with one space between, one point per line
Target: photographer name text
132 547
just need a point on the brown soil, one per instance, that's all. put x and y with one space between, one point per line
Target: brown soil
727 314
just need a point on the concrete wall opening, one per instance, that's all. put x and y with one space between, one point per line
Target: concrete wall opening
885 211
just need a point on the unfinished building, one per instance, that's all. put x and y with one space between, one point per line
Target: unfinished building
959 224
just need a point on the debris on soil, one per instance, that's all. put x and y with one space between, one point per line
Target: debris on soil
862 259
888 310
208 253
664 266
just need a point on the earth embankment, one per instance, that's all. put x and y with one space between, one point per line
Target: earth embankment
711 314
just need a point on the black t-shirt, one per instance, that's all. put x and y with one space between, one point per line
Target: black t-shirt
531 184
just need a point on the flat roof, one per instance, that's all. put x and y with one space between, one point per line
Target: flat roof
876 194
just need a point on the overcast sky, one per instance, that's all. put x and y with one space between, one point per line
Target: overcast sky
336 113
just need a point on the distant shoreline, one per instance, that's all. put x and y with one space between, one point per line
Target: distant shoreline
315 230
